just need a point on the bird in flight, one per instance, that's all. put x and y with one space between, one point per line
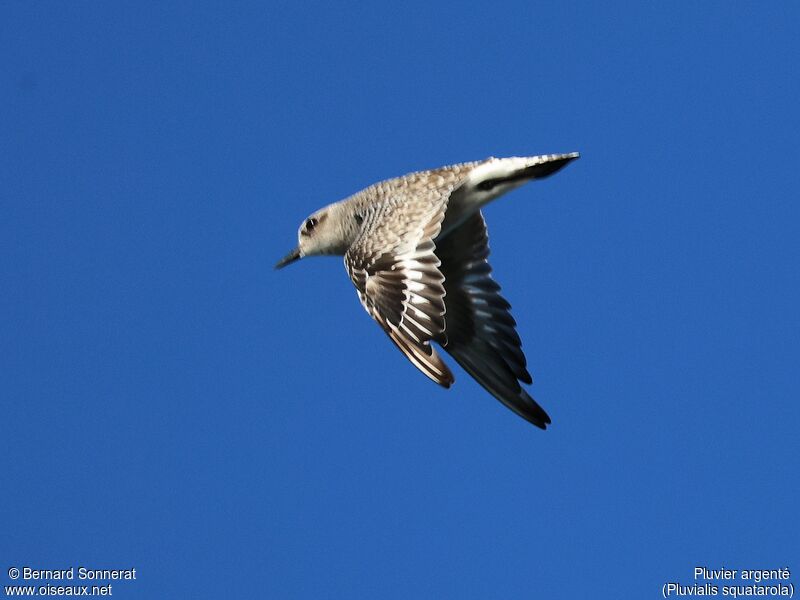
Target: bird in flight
416 249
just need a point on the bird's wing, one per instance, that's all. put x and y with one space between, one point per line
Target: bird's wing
396 273
480 332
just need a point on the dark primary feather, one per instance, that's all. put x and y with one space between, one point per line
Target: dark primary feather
479 329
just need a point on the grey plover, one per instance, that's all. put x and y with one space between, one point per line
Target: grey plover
416 248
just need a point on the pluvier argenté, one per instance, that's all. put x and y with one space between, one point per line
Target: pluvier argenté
416 248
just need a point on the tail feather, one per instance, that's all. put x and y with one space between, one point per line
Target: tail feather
520 170
493 178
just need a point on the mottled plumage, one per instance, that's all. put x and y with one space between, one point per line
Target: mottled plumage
416 249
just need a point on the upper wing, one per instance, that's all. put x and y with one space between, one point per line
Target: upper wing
480 331
396 273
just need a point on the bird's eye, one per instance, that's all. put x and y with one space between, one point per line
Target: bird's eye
310 224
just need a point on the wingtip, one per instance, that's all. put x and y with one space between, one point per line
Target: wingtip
532 413
543 423
447 379
527 408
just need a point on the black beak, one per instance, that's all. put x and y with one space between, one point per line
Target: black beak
289 258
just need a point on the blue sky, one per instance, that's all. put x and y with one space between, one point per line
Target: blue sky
173 404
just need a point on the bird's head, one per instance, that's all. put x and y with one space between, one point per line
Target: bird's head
323 232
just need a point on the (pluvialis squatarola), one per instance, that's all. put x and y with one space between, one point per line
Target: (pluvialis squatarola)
416 248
